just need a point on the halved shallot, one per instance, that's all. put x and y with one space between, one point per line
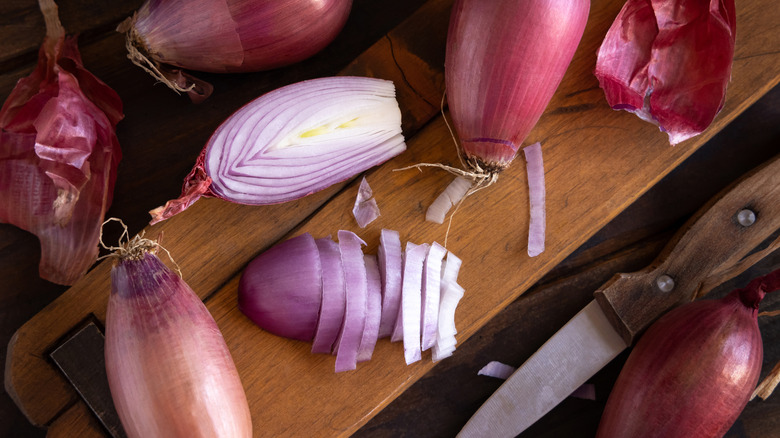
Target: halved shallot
295 141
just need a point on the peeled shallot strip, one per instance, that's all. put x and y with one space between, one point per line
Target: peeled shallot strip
365 210
373 310
390 256
357 291
454 192
497 369
281 289
669 62
411 300
536 195
431 294
334 299
295 141
59 155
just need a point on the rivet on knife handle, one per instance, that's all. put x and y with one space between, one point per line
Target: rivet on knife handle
734 224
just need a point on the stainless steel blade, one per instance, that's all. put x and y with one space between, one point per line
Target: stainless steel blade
567 360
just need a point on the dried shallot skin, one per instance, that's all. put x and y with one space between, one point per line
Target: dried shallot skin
58 158
669 62
690 375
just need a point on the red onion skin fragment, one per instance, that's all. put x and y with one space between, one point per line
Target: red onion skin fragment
692 373
431 294
411 300
281 289
169 369
504 61
59 155
536 195
669 62
295 141
357 300
334 299
390 258
373 309
365 210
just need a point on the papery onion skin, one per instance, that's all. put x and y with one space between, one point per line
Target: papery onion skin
504 61
59 155
236 35
169 370
691 374
669 62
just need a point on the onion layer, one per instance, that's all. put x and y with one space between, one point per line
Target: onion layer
295 141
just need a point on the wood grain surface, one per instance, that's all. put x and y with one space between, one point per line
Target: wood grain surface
598 162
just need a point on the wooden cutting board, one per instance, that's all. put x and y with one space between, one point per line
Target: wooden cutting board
597 162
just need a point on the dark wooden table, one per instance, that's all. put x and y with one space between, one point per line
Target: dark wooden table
443 400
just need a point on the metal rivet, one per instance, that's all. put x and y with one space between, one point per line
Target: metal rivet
664 283
746 217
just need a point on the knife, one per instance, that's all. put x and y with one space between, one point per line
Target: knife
724 232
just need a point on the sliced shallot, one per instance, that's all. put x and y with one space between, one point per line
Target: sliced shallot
431 294
497 369
334 299
365 210
411 300
281 289
373 309
295 141
390 256
536 196
357 290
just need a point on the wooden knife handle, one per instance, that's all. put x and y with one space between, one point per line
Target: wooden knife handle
713 239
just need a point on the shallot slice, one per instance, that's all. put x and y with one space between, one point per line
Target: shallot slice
373 310
536 196
390 258
450 197
334 298
431 294
497 369
411 300
357 290
281 289
365 209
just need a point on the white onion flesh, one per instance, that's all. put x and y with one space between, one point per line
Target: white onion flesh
451 195
497 369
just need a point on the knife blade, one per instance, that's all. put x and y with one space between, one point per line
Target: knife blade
723 232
